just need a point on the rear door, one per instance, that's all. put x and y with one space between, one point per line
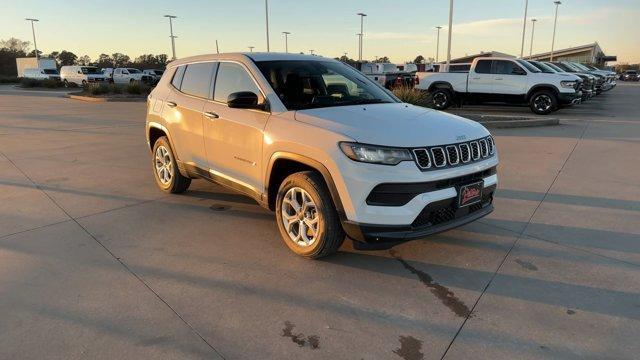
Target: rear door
233 137
480 80
190 89
509 78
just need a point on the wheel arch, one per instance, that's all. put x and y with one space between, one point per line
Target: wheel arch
283 164
540 87
441 85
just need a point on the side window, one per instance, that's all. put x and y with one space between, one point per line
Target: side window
197 79
504 67
483 67
177 77
118 71
233 78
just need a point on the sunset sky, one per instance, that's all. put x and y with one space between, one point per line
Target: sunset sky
397 29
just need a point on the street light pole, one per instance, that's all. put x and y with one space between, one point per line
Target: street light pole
266 12
311 51
524 27
33 30
533 29
438 43
251 48
362 15
286 41
450 31
555 21
173 38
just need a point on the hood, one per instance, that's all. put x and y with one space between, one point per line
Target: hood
396 124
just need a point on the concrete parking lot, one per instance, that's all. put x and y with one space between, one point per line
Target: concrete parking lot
96 262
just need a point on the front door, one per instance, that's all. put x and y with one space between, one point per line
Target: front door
509 78
233 137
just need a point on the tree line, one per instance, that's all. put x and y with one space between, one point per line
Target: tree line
13 48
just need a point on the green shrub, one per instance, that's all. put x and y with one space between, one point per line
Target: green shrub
115 89
133 89
51 83
30 83
9 80
413 96
101 89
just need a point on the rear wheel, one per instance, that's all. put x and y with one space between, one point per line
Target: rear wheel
441 98
543 102
165 168
306 216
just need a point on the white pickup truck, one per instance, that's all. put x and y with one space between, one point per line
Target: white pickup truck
504 80
127 76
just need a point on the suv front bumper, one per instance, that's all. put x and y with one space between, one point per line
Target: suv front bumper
570 98
436 217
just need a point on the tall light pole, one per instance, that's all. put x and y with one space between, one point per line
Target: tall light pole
450 31
524 27
311 51
555 22
362 15
33 30
359 35
266 13
438 43
173 38
250 48
286 41
533 29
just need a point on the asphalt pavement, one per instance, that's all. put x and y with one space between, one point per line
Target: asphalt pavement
97 263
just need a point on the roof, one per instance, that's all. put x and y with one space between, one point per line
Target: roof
568 51
469 58
255 56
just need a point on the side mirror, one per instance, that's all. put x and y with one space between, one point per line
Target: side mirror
244 100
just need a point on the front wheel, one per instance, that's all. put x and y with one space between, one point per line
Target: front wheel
543 102
306 216
165 168
441 98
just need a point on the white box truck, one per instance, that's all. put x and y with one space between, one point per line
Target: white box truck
33 63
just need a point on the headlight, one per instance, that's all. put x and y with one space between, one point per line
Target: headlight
375 154
567 84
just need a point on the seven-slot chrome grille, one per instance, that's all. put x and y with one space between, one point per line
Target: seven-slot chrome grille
444 156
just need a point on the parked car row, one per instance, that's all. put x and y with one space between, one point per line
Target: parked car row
543 86
82 75
630 75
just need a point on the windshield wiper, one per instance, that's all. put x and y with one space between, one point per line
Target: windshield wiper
365 101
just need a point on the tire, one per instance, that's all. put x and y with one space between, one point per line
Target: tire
442 98
84 83
164 162
543 102
66 83
329 234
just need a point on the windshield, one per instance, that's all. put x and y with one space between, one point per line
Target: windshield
134 71
50 71
90 70
570 66
305 84
529 67
580 66
554 67
543 67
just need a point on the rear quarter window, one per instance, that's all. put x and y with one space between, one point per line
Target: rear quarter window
177 77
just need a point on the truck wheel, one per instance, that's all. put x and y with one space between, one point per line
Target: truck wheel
306 216
66 83
543 102
165 168
441 98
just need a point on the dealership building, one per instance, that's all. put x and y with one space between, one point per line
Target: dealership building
588 54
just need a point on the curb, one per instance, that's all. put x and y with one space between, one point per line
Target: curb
105 99
506 121
506 124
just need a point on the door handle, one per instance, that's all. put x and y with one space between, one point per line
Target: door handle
171 104
498 78
211 115
476 78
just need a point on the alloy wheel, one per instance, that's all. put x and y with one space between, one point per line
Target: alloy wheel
164 166
542 103
300 217
440 99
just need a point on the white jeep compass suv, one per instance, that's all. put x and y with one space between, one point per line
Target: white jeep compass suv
329 150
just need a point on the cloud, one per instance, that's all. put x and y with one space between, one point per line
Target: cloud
422 38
